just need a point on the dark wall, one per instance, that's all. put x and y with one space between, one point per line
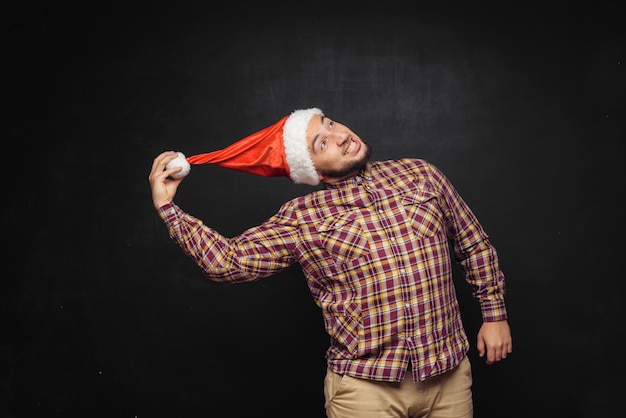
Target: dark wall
103 316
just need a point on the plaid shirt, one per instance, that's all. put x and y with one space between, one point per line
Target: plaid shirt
375 254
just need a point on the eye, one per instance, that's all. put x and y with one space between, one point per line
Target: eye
323 145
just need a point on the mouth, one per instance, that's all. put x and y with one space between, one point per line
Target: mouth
353 146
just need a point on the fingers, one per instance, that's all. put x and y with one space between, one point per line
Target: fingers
159 163
481 347
159 173
497 352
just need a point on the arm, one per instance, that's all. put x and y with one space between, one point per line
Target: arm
258 252
479 261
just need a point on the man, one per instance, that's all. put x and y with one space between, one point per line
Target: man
373 246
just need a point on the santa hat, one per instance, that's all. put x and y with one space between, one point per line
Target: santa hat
278 150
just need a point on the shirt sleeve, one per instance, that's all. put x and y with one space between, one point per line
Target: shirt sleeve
473 251
256 253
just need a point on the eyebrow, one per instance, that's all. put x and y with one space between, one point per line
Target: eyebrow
316 137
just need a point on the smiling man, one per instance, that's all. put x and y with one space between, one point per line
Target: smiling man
373 245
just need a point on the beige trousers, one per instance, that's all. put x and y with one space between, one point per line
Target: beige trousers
445 396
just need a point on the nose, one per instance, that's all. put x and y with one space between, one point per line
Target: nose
339 137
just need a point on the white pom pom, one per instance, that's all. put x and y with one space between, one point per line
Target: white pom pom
179 161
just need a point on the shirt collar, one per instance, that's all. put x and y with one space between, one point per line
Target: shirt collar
363 176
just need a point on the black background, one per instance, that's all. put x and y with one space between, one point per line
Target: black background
103 316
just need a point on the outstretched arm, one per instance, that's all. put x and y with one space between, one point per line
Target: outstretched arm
494 340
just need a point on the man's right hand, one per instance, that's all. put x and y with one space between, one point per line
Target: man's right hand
163 187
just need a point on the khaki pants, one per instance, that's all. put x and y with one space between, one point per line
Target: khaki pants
445 396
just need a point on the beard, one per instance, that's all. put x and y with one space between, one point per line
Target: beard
352 167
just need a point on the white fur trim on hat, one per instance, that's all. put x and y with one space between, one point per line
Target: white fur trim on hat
301 168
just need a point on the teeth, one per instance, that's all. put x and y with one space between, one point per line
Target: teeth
350 147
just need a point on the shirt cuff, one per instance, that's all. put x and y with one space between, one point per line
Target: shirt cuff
494 310
168 212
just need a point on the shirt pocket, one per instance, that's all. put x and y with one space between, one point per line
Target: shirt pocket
423 212
343 237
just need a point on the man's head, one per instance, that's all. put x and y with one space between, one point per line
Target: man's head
337 152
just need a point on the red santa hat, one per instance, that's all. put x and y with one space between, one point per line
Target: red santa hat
278 150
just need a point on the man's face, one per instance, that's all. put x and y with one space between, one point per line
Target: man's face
336 151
